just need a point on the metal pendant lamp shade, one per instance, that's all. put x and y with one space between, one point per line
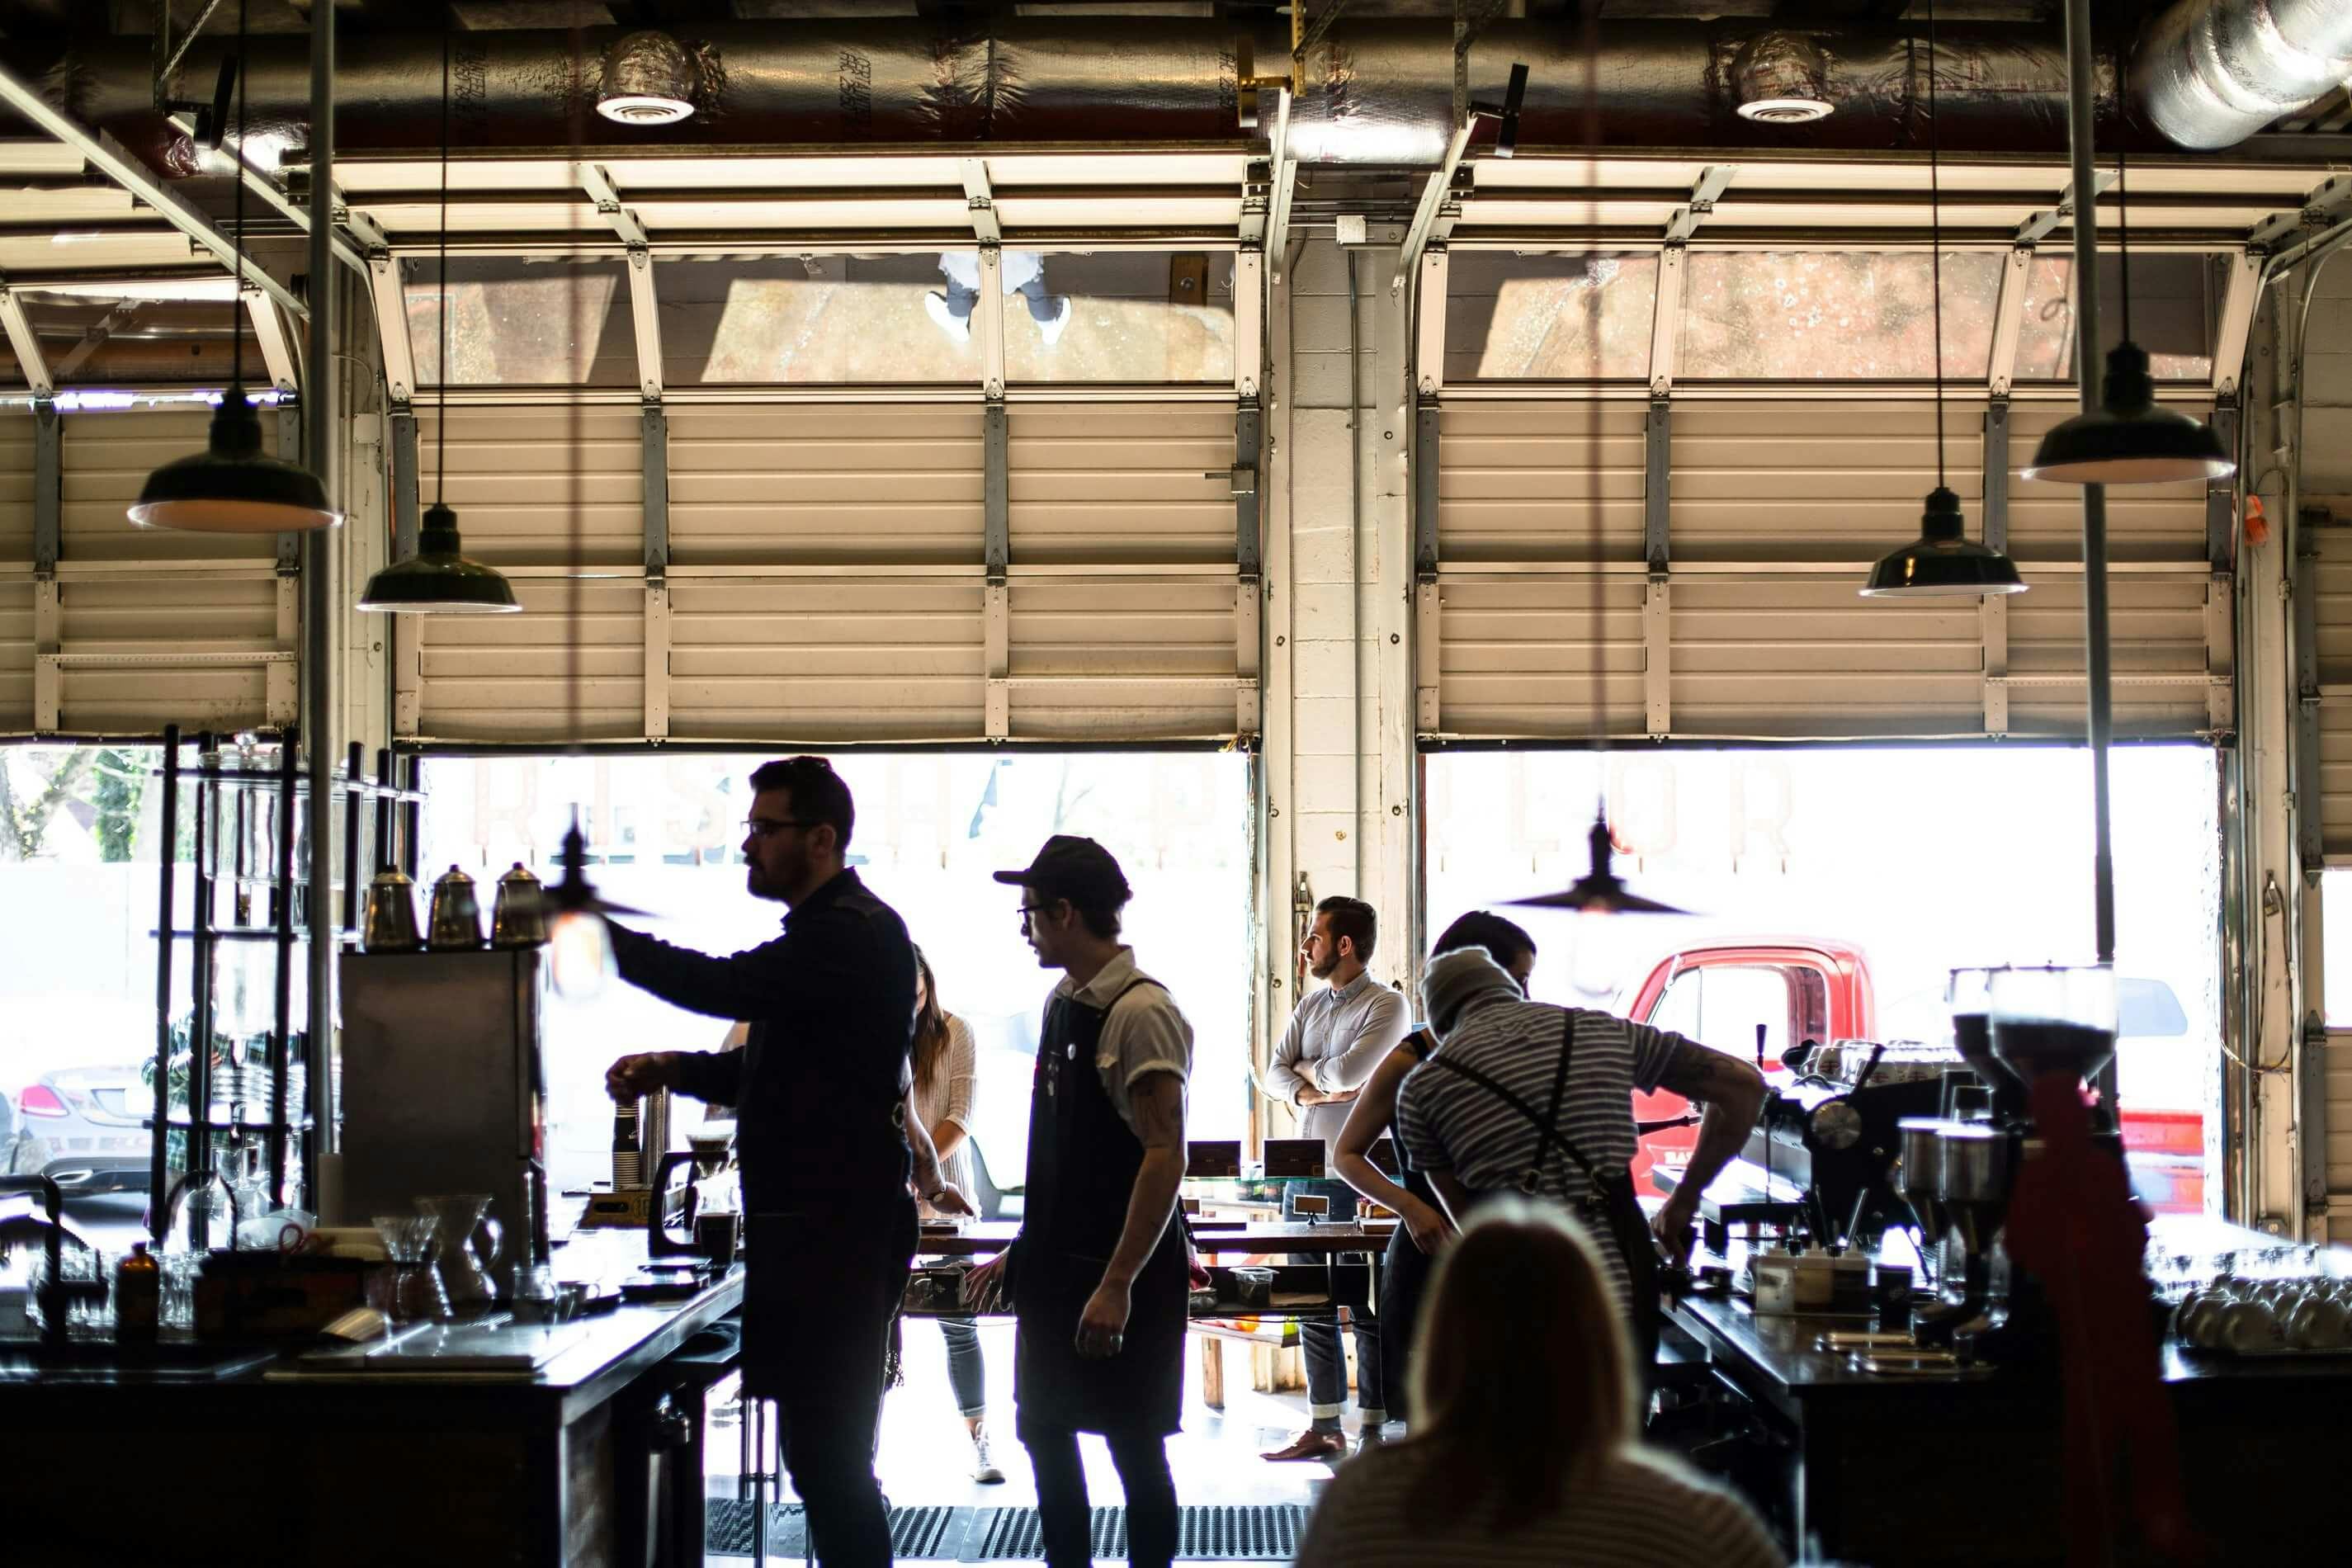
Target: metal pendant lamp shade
1943 563
1600 892
2129 441
439 581
232 486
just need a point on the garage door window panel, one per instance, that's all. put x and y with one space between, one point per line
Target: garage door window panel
1511 317
820 320
539 320
2176 312
1134 317
1835 315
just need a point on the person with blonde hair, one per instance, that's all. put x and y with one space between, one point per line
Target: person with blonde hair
1523 1447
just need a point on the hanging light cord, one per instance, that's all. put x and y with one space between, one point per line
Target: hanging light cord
441 328
1935 241
1591 131
2123 233
237 294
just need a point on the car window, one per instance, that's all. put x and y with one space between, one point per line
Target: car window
1720 1005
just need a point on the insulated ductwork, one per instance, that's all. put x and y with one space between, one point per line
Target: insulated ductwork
2213 72
1379 91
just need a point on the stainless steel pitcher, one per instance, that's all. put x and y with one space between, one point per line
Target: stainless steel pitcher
391 923
518 919
456 924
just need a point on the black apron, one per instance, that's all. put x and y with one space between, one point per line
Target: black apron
1083 1160
1609 1204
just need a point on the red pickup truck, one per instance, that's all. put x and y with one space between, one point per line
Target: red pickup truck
1819 988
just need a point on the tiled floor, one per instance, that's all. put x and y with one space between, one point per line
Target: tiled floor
926 1458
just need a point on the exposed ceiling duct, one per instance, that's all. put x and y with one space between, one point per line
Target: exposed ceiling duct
1377 92
2213 72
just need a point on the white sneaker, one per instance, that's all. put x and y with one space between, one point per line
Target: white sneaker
955 326
983 1468
1052 327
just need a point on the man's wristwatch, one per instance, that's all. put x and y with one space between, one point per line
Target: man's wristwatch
933 1198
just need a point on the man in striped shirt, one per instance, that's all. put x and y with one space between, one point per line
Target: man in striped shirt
1525 1097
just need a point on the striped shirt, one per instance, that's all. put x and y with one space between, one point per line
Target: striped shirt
1639 1511
1447 1122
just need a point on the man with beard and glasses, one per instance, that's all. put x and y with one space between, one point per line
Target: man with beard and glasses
820 1089
1336 1037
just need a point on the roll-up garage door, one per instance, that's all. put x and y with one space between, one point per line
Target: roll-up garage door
827 576
1776 507
1123 582
158 627
16 574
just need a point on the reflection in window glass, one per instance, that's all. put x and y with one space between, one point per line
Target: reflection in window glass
2175 303
820 318
2335 945
524 322
665 834
1155 317
1830 315
88 341
1531 318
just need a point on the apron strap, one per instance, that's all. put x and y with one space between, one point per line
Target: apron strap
1547 1124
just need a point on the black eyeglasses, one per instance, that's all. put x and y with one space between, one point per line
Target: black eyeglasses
1029 912
765 826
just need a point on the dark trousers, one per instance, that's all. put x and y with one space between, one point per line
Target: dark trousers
1404 1275
818 1310
1326 1364
1066 1516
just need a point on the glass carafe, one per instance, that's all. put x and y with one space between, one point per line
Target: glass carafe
412 1290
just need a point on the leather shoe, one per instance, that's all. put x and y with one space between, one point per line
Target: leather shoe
1311 1445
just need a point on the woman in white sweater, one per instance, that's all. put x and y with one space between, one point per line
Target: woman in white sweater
1523 1448
946 1064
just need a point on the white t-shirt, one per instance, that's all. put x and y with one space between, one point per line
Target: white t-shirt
1639 1511
1145 1033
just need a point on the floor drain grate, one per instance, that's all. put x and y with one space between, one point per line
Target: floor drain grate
1259 1533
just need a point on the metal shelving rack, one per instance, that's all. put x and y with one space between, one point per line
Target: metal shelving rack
232 800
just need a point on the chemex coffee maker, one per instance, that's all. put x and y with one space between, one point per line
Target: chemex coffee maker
2031 1036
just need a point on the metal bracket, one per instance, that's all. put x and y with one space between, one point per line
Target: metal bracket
2310 1118
2329 202
1429 321
391 319
406 515
988 322
2310 846
289 447
24 343
276 338
997 509
1249 445
1666 319
2039 224
1450 186
1712 181
598 181
1257 203
656 424
2222 495
2008 320
1425 415
644 315
1996 473
2241 295
1657 484
1657 655
48 488
980 200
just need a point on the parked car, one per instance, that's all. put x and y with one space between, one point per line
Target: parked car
74 1074
1820 988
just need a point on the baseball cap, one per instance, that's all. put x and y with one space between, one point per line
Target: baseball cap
1076 869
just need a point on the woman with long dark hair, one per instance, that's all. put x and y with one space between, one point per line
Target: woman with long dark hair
946 1068
1525 1450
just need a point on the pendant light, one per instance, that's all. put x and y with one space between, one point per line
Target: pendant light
1600 892
438 580
232 486
2128 439
1943 561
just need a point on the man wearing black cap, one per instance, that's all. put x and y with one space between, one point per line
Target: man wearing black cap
1097 1276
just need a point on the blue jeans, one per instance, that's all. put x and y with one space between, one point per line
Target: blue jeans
967 1372
1326 1364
